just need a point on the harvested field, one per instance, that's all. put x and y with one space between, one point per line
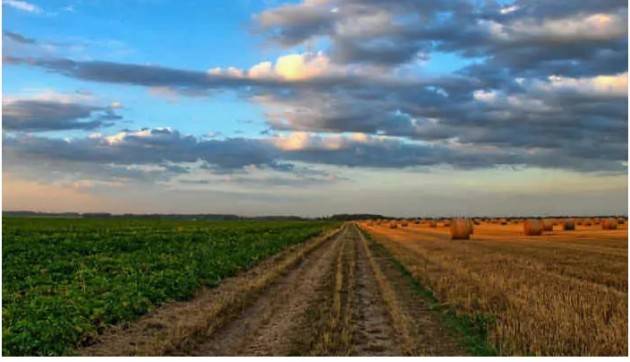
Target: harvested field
562 293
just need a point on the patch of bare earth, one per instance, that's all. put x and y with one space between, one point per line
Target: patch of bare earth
335 295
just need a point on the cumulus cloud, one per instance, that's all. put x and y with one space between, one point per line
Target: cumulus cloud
291 67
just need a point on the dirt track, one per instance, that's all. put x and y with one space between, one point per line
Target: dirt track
335 295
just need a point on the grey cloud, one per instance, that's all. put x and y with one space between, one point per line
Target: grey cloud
167 149
47 115
404 28
572 129
434 110
158 76
145 147
296 25
18 37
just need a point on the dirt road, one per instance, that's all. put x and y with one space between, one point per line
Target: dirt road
336 295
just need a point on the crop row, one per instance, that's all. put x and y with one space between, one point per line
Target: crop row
65 280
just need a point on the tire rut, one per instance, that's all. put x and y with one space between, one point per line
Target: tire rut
262 329
374 334
424 333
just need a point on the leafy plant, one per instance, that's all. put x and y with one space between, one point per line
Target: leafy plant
65 280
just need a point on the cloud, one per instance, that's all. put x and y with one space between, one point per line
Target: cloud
599 86
22 5
150 155
556 114
55 112
295 23
157 146
290 67
304 70
397 32
547 87
18 37
301 66
18 45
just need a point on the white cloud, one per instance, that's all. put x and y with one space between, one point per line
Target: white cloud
22 5
290 67
539 92
302 66
605 85
295 141
143 133
49 95
509 9
262 70
300 141
595 27
485 96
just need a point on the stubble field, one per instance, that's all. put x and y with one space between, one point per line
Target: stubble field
561 293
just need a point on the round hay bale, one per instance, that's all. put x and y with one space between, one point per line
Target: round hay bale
568 225
547 225
609 224
471 225
432 224
533 227
460 229
393 226
404 224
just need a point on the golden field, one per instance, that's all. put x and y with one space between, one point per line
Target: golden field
562 293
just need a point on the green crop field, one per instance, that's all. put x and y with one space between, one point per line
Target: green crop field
64 280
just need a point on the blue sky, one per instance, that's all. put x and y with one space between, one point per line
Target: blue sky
153 97
203 35
134 36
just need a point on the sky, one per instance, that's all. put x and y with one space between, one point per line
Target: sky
316 107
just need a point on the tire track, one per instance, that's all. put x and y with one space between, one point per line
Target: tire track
427 334
378 337
262 328
374 331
